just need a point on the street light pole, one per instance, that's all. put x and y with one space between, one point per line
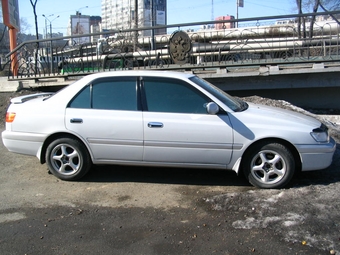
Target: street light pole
51 24
51 48
45 28
239 3
46 19
78 12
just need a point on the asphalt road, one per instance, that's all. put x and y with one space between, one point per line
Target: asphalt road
132 210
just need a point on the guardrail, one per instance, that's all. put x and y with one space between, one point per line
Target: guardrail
201 45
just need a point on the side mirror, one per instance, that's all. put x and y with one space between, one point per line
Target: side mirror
212 108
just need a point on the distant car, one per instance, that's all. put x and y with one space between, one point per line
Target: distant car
167 119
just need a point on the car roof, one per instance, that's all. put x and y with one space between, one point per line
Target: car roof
74 87
172 74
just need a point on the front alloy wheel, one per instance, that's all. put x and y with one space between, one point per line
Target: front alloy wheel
68 159
269 165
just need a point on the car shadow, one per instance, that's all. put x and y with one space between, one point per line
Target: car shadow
320 177
163 175
204 177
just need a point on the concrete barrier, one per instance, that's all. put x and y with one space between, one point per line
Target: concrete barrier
9 86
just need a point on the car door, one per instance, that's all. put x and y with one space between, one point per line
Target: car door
177 127
106 115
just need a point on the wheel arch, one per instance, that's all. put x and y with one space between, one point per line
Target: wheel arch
289 145
55 136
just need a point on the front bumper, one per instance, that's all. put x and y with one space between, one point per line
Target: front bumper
318 156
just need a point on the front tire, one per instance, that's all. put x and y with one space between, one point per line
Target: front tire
268 165
68 159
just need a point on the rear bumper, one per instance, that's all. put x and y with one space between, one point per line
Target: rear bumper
23 143
317 157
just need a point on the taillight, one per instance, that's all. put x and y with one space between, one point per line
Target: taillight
10 117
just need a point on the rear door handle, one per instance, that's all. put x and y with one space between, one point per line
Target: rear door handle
155 125
76 120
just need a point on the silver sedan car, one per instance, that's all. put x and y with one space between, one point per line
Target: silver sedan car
167 119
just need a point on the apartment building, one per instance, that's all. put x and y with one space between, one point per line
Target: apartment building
120 14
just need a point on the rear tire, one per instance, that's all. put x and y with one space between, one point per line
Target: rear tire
68 159
268 165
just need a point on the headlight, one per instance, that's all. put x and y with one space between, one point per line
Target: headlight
320 134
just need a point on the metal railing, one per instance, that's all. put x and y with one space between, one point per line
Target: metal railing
212 44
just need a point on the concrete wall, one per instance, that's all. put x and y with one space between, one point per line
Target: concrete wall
315 90
307 90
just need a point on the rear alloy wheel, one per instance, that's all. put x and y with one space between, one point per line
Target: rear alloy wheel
269 165
68 159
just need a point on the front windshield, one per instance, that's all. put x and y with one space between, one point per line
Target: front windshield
234 104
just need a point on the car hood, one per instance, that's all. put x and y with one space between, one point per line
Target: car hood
277 116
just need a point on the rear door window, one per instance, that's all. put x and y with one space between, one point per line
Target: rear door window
118 93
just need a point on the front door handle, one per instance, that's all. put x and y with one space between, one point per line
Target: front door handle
155 125
76 120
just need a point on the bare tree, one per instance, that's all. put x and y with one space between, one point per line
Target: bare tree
24 26
312 6
335 6
299 6
34 6
331 5
311 24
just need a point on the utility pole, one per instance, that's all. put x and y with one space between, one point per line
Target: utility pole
239 3
136 26
152 25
